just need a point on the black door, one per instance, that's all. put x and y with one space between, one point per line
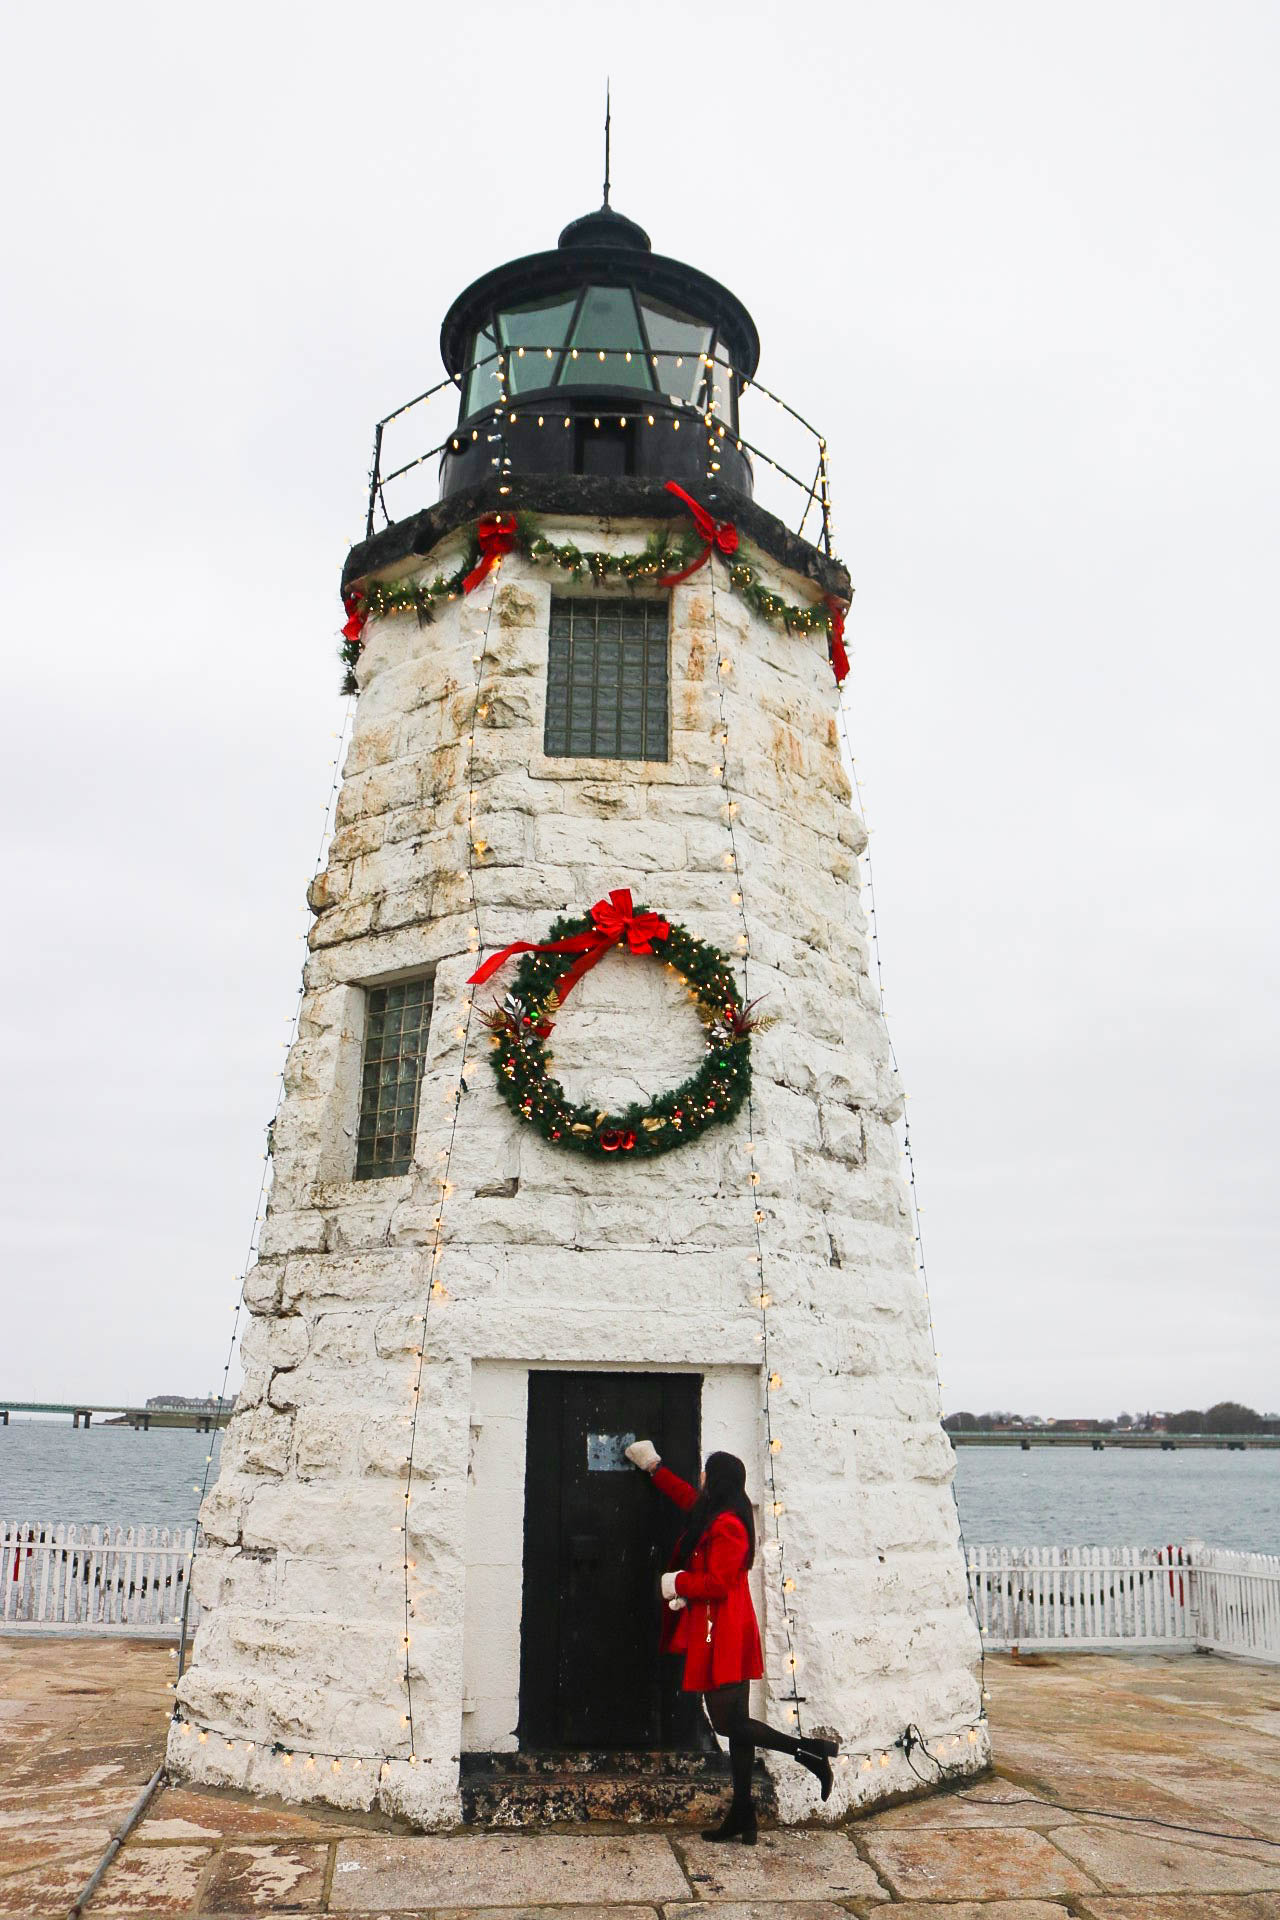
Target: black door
597 1535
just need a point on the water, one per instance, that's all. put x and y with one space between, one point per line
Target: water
1071 1496
107 1476
1050 1496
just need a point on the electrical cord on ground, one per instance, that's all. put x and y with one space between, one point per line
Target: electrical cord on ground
914 1738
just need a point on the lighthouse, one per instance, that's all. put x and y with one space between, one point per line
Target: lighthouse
588 1131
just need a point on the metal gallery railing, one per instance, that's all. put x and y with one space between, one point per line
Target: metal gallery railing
794 441
1098 1597
79 1579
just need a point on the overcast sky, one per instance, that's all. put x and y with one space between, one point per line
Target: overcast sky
1018 261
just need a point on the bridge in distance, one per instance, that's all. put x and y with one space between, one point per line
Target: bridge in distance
82 1412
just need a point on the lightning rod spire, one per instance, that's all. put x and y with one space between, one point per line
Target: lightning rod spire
607 122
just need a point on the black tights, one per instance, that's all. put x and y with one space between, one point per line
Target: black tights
728 1709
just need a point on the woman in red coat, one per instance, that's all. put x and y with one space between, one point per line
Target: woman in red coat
710 1619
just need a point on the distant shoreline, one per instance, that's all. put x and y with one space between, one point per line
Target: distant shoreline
1027 1437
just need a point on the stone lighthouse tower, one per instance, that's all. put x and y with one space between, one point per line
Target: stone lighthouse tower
587 1131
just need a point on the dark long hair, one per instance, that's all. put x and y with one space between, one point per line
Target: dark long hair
725 1492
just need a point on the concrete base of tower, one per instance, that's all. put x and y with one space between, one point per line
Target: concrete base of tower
573 1789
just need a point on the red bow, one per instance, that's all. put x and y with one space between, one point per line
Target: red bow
835 641
357 617
720 535
496 535
615 921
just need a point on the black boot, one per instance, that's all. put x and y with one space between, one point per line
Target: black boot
817 1756
738 1824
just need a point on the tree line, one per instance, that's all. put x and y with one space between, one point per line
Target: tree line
1225 1416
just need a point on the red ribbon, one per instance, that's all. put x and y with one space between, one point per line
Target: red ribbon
835 641
720 535
496 534
615 921
357 617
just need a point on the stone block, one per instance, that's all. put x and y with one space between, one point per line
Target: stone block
301 1231
222 1509
783 1866
990 1864
259 1441
1140 1863
312 1517
264 1286
322 1442
150 1880
612 845
474 1870
276 1341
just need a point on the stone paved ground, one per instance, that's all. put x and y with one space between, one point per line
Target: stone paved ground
1174 1737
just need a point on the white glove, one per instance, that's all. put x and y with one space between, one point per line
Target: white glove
643 1454
677 1605
669 1587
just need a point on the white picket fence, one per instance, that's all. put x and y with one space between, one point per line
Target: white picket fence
133 1580
86 1579
1097 1597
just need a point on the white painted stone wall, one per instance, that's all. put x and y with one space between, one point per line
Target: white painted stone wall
551 1260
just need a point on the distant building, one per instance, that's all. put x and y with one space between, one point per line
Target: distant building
182 1403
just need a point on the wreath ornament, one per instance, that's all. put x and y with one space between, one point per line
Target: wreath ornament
521 1024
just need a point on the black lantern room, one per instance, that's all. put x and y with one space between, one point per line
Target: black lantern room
600 357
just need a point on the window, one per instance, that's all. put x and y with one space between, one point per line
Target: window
607 325
395 1043
540 330
485 382
607 679
557 341
678 347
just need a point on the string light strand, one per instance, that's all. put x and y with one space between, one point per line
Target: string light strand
916 1225
733 862
434 1285
259 1208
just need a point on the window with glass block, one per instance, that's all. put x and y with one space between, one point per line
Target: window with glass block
397 1019
607 679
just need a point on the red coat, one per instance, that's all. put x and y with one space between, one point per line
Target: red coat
717 1631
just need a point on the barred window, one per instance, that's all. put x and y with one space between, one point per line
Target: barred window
397 1019
607 679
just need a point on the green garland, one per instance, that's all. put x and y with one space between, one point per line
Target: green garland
663 553
708 1098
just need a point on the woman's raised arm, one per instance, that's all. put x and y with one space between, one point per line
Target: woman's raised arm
643 1454
674 1487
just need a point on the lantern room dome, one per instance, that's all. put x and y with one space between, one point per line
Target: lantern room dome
605 227
598 356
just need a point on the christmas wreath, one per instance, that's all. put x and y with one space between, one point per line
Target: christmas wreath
520 1026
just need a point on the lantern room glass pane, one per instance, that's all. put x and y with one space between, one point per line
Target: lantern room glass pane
485 383
541 329
678 345
724 387
608 324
